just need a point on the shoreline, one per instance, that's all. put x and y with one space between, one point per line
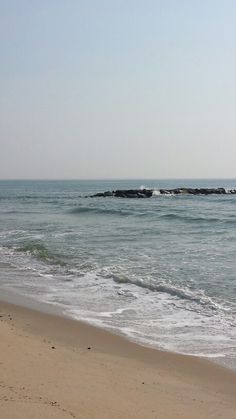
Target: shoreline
23 301
72 369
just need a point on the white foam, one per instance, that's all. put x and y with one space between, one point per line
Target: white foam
160 315
156 192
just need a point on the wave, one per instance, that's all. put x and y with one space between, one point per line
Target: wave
197 297
187 218
38 250
106 211
148 213
8 212
230 222
197 219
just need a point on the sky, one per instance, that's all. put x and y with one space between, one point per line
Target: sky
117 89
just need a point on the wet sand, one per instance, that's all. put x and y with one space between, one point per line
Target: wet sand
54 367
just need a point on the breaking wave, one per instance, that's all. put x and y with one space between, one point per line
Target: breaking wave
38 250
197 297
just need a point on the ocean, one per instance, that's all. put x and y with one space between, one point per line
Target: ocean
160 271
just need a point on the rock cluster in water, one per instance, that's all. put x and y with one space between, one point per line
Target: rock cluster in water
148 193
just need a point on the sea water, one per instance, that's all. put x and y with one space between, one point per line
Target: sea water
160 271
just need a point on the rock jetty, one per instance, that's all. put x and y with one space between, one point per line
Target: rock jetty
148 193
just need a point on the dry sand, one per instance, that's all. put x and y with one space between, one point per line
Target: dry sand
48 371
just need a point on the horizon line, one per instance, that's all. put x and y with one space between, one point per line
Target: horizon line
116 179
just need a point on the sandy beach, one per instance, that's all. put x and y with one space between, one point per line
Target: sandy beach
54 367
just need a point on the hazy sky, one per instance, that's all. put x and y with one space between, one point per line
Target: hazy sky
117 89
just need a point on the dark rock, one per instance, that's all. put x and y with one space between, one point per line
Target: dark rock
102 194
108 193
147 193
134 193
